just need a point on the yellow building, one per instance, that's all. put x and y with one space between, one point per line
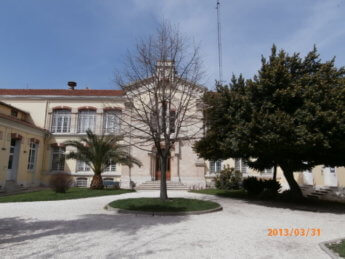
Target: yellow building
34 123
22 148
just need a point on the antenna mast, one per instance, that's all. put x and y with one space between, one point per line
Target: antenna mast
220 65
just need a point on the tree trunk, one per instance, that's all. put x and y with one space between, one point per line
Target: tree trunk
163 189
294 187
97 182
275 173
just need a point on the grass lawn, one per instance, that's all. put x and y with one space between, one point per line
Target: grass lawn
338 248
171 205
49 195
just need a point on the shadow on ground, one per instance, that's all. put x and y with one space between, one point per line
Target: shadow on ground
301 205
16 229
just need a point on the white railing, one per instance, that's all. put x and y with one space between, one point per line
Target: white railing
71 125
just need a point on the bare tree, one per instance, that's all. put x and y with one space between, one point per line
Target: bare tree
162 91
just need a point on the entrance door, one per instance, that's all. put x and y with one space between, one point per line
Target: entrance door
308 177
158 169
330 176
13 160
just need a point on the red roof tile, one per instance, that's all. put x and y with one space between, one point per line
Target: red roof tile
65 92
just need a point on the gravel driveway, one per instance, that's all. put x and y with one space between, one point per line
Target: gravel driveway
83 229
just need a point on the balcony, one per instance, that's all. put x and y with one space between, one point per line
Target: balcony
76 124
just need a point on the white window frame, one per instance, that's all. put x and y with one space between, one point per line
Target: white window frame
241 166
82 166
215 166
33 149
111 121
86 120
61 121
81 182
60 153
111 168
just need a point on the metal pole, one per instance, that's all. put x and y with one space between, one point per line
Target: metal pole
220 65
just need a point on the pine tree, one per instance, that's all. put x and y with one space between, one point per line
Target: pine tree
291 115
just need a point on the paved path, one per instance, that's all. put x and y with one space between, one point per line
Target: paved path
83 229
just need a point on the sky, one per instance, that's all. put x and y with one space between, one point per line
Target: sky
46 43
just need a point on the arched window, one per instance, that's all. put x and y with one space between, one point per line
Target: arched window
86 120
111 121
58 158
61 121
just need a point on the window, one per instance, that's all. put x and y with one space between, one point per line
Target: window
240 166
61 121
172 119
32 156
111 168
215 166
332 170
82 166
14 113
86 120
111 121
81 182
58 159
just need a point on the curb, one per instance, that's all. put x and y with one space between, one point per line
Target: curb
328 251
162 213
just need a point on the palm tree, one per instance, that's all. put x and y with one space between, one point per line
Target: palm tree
98 152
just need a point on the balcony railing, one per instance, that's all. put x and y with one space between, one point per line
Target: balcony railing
71 124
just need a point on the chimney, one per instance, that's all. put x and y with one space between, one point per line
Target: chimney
72 85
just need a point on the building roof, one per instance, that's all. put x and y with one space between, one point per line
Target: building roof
62 92
12 107
26 123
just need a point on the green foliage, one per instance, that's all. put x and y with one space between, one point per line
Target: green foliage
272 185
228 179
338 247
253 185
291 115
60 182
98 152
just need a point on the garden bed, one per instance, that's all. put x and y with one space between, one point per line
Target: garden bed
155 206
337 247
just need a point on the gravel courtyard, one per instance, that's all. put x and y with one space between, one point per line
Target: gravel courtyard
83 229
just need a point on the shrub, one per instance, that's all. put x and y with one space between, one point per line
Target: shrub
253 185
60 182
272 185
228 179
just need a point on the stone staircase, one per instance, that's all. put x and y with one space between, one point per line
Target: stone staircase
155 185
321 193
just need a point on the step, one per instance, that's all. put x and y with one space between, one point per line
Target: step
155 185
313 196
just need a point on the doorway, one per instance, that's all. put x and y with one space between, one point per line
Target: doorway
330 176
158 174
308 178
13 160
